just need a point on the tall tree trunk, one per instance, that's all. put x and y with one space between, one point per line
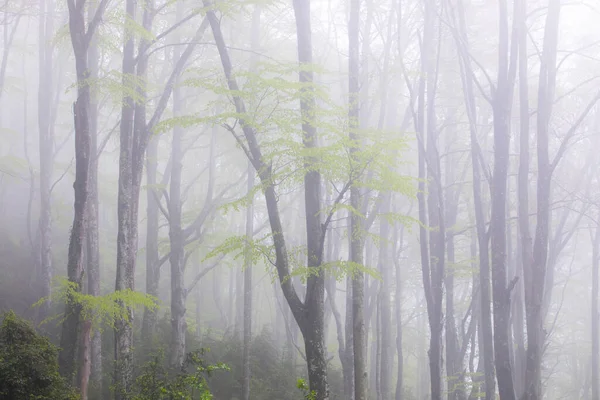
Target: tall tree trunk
482 234
433 269
93 244
534 288
80 39
595 386
176 258
127 223
501 104
46 145
398 243
356 223
385 267
454 357
152 257
525 244
309 314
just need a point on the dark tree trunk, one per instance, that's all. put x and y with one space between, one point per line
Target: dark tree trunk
502 102
308 314
80 39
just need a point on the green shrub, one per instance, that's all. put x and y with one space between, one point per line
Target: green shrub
28 364
157 382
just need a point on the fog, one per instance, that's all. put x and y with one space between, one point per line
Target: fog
379 199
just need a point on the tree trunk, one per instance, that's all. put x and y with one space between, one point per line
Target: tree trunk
46 145
386 362
454 357
482 234
356 223
152 257
308 314
534 289
502 103
75 268
176 258
595 316
93 245
398 242
127 223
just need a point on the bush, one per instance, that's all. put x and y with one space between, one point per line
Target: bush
157 382
28 364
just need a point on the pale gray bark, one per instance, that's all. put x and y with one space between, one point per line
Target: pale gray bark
127 223
92 237
537 267
46 146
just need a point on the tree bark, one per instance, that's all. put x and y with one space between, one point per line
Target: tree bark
501 105
308 314
595 386
356 223
127 223
176 259
80 39
93 245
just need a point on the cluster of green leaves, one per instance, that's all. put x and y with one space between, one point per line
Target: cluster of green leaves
28 364
104 310
157 382
303 386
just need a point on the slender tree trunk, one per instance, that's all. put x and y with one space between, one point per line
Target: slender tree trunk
482 234
386 362
595 315
93 244
398 242
502 104
534 289
356 223
152 257
176 258
249 233
349 329
454 357
309 314
46 144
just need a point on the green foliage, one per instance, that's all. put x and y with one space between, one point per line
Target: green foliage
156 382
258 249
102 311
28 364
273 371
303 386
